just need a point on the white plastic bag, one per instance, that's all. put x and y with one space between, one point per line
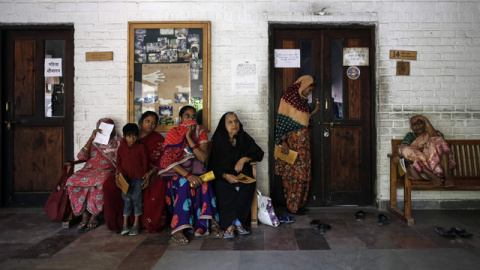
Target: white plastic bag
266 214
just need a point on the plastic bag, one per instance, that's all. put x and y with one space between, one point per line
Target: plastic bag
266 214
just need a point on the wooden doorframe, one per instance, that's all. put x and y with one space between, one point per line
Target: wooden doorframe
275 186
69 103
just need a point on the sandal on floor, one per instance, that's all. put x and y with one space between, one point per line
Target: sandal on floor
228 234
445 233
315 224
241 230
125 230
216 231
360 215
461 232
383 220
92 224
135 230
82 225
286 219
179 239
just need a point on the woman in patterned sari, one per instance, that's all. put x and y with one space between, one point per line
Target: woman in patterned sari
292 134
188 198
85 187
428 151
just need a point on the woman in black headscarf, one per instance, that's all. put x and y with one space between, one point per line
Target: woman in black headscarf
232 151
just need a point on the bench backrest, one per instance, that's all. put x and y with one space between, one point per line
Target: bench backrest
466 155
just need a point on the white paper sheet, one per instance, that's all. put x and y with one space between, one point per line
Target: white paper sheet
102 138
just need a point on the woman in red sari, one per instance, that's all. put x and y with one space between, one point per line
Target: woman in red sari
86 187
154 214
428 151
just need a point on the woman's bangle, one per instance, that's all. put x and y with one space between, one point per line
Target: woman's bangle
85 149
188 175
194 147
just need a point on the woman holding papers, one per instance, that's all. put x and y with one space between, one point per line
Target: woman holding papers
292 134
85 187
188 198
232 151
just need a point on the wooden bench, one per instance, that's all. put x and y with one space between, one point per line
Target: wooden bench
466 176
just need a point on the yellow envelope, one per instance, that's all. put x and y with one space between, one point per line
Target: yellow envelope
290 158
245 179
124 183
209 176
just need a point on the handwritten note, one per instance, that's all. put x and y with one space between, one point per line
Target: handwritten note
53 67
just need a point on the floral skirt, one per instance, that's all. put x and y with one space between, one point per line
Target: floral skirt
296 177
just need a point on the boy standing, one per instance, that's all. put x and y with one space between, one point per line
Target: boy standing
132 163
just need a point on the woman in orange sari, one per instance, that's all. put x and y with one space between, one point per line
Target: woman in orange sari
428 151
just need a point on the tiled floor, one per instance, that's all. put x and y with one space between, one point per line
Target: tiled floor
29 240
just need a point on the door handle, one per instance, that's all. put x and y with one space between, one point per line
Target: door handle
9 124
331 124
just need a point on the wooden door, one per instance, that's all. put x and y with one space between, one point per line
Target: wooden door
341 134
37 114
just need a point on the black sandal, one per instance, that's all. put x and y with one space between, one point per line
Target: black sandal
445 233
360 215
383 220
461 232
82 225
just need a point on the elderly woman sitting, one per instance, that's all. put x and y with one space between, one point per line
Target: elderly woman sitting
232 151
428 151
85 187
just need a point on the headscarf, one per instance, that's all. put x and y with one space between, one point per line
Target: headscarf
109 151
175 143
224 156
293 112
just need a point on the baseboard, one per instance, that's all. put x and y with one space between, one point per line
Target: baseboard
435 205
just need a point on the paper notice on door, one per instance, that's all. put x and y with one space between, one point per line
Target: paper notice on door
104 136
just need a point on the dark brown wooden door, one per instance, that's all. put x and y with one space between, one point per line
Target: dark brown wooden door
341 134
37 112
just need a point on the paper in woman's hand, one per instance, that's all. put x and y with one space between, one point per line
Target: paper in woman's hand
245 179
104 136
290 158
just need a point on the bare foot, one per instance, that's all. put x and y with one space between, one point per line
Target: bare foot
436 181
413 174
179 239
448 181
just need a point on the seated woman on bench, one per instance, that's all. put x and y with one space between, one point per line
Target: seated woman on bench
426 148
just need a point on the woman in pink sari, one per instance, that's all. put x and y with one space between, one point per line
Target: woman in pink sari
154 212
428 151
85 187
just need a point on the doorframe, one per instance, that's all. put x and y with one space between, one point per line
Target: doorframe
275 185
69 106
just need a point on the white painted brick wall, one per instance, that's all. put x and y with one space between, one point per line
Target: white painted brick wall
443 83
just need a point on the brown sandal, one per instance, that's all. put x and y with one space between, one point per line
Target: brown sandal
179 239
217 232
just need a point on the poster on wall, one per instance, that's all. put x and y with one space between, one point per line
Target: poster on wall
165 89
244 77
168 69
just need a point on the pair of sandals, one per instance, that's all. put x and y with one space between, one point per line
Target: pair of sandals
382 219
450 234
88 225
321 227
180 239
132 231
230 233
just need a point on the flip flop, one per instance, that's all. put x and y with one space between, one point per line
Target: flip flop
383 220
228 234
178 238
360 215
82 225
241 230
93 224
461 232
445 233
286 219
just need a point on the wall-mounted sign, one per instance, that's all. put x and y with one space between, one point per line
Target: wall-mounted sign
353 72
53 67
408 55
99 56
403 68
287 58
355 56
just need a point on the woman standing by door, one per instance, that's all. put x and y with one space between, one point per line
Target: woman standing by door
292 134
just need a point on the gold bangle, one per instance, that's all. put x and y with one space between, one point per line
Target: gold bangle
85 149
